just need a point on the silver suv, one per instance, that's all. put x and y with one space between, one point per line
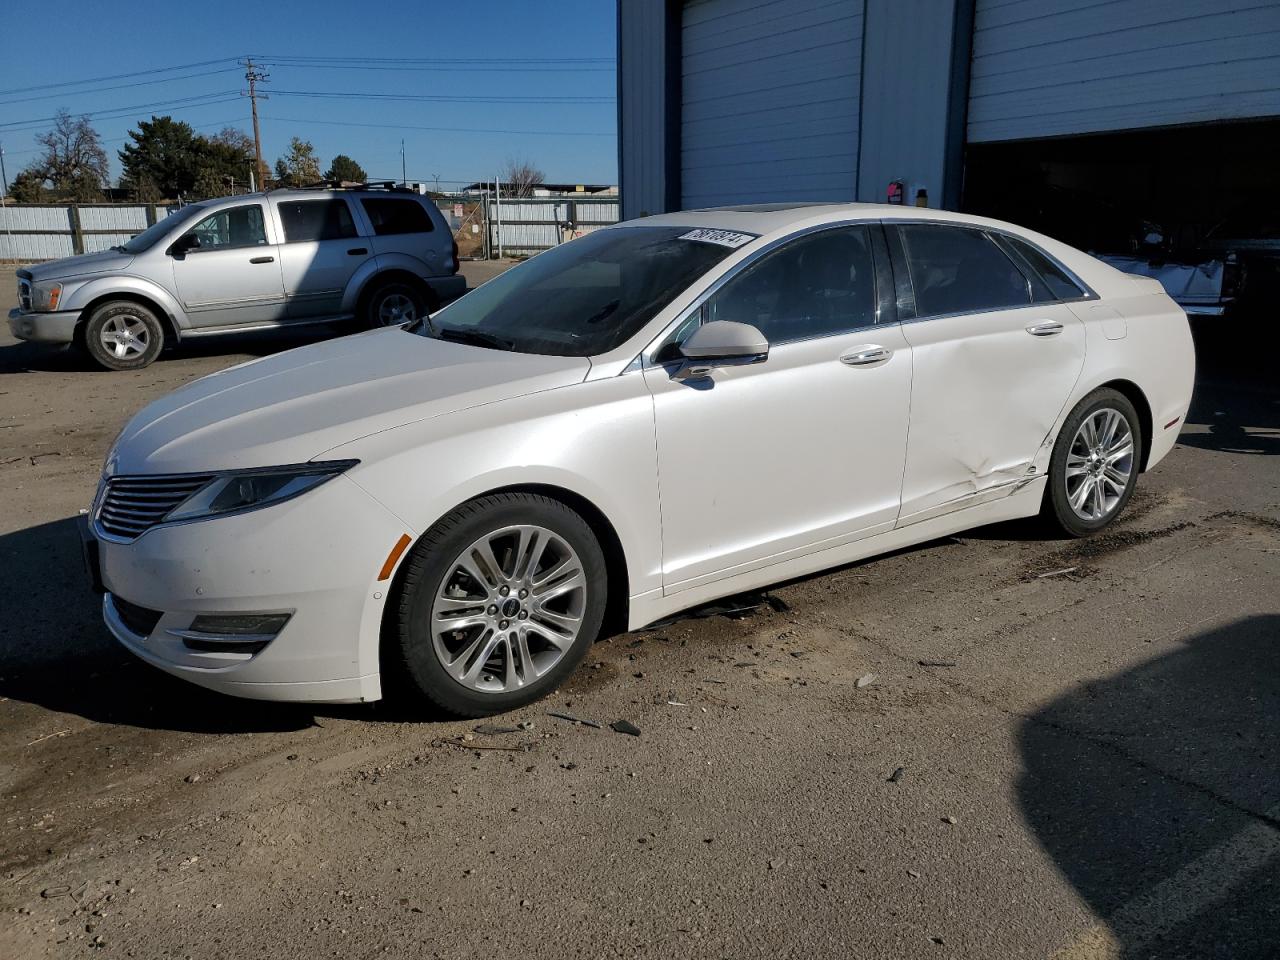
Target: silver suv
267 260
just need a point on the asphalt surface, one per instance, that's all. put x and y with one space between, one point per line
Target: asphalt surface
1068 748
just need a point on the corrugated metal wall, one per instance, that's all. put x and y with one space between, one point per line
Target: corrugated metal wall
530 225
1052 67
643 161
770 101
48 231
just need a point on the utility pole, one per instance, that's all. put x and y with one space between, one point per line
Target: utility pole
404 177
4 192
255 77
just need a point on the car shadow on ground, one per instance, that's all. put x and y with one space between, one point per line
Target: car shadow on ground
1157 793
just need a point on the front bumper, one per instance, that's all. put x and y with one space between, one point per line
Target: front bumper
57 327
317 556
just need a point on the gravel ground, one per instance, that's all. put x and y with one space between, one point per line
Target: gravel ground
1067 748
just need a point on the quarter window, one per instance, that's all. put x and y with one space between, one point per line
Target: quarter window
390 217
956 270
816 286
232 227
1058 282
310 220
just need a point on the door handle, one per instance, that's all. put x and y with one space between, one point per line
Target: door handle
1045 328
869 355
358 251
262 259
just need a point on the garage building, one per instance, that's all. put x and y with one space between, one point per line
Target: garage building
1083 118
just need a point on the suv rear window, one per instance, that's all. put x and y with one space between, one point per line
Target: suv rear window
316 220
390 216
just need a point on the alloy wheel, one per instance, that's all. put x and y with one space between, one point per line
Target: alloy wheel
395 309
1099 464
125 336
508 608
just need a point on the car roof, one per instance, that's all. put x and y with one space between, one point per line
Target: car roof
764 218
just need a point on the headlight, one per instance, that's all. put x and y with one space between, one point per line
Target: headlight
45 296
251 489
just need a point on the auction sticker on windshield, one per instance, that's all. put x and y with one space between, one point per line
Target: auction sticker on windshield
725 238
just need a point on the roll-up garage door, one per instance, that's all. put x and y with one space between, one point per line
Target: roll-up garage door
1044 68
770 100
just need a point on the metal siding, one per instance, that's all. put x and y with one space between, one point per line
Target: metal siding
642 145
770 100
906 97
1054 67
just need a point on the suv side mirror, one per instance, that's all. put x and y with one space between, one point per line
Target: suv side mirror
721 343
188 241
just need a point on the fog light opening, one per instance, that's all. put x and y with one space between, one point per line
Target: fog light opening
232 632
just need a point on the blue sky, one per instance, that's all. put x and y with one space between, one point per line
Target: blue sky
398 49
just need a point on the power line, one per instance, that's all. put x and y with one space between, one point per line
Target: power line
117 76
122 86
432 60
225 96
437 98
405 126
442 68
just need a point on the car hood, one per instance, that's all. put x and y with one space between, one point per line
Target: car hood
108 261
293 406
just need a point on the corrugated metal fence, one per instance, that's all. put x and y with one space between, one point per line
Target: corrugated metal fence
47 231
529 225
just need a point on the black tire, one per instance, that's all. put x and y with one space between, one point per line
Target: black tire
1057 509
412 650
378 311
137 332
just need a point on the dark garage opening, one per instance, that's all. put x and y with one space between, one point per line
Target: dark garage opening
1172 192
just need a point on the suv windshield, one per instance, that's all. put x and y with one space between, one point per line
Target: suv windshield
150 236
583 298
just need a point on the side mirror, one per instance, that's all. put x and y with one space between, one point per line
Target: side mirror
188 241
721 343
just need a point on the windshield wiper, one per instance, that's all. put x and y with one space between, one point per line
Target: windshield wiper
477 338
119 248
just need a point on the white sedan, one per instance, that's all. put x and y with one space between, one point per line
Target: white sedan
663 412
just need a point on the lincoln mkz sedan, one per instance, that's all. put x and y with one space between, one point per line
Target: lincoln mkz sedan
660 413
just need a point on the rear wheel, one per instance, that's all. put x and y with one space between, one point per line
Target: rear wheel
122 335
395 302
499 603
1095 463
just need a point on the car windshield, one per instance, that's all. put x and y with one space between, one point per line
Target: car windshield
149 237
586 297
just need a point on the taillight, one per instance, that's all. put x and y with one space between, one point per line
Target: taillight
455 256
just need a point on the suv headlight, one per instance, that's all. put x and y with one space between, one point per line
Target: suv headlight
250 489
45 296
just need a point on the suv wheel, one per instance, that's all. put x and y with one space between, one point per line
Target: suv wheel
123 335
499 603
397 302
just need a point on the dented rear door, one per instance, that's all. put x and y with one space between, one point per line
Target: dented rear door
987 385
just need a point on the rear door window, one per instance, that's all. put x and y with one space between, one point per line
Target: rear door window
311 220
960 270
391 216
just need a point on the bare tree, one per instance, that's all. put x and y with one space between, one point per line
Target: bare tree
520 176
74 161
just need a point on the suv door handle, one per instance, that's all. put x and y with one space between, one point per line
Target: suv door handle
262 259
358 251
869 355
1045 328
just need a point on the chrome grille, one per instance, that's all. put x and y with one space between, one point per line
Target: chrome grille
24 293
132 505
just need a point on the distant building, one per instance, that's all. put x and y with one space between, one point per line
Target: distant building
546 189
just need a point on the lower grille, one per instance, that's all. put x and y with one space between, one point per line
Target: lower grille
132 505
138 620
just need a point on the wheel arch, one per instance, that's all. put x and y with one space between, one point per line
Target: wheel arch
167 321
616 604
392 275
1135 395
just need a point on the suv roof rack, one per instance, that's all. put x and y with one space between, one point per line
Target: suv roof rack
392 185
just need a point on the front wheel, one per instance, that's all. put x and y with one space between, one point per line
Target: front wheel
1095 463
499 603
122 335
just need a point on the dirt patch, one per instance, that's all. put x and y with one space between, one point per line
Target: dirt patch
1078 554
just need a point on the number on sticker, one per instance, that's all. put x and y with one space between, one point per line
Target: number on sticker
725 238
